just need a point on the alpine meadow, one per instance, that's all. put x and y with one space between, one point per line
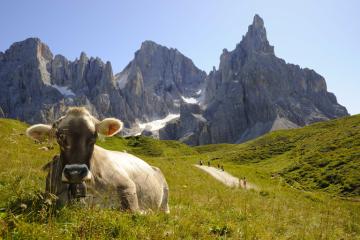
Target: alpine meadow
298 194
156 120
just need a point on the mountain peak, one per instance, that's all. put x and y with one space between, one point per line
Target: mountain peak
151 45
29 43
258 22
148 44
255 39
29 48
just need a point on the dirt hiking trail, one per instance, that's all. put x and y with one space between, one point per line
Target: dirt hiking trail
226 178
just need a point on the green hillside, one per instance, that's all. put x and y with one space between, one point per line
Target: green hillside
323 156
302 177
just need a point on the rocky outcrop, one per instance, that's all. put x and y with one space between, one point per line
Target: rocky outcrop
190 128
157 78
25 83
35 86
254 92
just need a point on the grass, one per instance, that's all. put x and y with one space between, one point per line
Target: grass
324 156
288 204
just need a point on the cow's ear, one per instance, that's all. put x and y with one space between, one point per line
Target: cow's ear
109 126
39 132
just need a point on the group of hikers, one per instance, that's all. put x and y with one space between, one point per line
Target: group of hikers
221 167
242 181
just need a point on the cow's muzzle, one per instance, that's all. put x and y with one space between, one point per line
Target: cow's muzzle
76 173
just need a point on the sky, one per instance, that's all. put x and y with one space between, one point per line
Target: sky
323 35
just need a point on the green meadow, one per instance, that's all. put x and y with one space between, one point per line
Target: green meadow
307 187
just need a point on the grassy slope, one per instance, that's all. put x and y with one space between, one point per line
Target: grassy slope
324 156
201 208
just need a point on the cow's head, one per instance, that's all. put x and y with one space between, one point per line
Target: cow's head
76 134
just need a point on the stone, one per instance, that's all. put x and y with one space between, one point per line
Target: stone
254 92
156 79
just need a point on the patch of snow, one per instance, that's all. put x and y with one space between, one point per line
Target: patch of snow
64 90
201 98
190 100
156 124
199 92
176 102
199 116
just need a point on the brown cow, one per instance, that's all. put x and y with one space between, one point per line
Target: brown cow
111 178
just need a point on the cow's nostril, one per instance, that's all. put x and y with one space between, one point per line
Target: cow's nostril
75 173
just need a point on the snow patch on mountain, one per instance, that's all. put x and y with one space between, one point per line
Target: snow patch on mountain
64 90
156 124
190 100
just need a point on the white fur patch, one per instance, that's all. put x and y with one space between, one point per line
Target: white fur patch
88 176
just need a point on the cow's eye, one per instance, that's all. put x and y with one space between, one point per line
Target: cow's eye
62 137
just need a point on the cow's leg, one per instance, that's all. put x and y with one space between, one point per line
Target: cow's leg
164 205
128 197
165 200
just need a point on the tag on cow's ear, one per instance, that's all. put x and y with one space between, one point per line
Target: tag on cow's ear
109 127
39 132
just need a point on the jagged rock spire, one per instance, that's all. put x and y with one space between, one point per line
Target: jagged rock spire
255 39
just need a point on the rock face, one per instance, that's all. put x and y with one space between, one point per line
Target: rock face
2 114
25 83
37 87
157 79
189 128
254 92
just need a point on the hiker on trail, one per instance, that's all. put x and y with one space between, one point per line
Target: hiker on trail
218 165
222 168
244 182
201 163
209 163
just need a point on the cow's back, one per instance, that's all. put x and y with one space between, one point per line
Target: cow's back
149 181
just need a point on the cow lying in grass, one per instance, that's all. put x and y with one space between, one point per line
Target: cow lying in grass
111 178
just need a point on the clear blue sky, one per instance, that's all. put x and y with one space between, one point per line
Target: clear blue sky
323 35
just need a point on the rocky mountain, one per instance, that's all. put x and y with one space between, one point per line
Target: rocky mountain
36 86
254 92
157 80
162 93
